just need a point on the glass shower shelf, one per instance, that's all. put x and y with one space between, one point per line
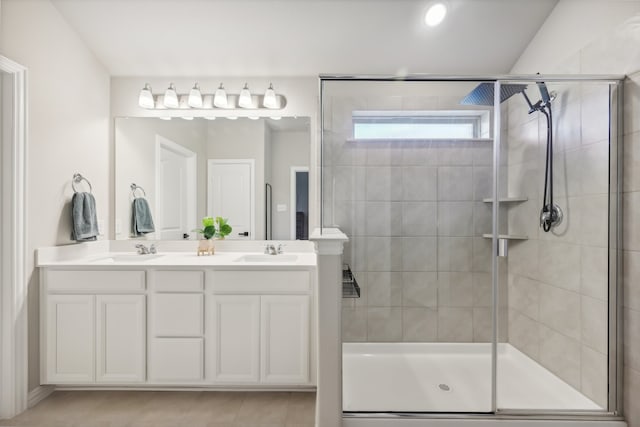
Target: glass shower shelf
507 199
507 236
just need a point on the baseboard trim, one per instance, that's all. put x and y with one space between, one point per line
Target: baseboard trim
38 394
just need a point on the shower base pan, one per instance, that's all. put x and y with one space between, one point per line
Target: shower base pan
450 377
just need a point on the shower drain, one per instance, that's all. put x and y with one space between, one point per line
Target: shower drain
444 387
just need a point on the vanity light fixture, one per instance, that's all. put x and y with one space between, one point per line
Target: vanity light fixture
232 117
171 97
186 117
209 118
253 117
220 97
145 100
269 100
275 117
164 118
195 97
244 101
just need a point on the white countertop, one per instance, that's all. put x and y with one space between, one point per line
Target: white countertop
227 260
297 255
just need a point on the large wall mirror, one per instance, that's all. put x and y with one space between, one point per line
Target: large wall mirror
255 173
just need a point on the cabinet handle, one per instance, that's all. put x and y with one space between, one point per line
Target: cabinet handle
246 234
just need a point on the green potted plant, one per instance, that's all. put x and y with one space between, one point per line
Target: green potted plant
212 227
222 228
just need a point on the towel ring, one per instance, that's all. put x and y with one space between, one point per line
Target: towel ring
135 187
77 179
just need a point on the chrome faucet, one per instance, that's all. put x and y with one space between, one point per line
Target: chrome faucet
143 250
280 249
270 250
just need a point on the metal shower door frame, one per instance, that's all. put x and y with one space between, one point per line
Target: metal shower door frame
615 361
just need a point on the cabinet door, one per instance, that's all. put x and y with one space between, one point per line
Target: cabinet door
284 339
120 347
236 339
70 339
176 360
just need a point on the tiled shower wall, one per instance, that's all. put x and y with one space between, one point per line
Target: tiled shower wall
557 281
415 218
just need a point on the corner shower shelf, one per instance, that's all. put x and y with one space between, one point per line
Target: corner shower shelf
507 199
350 288
506 236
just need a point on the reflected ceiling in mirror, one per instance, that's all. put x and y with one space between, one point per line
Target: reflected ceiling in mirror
252 172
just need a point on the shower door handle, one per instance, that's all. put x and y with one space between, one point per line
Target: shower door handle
503 247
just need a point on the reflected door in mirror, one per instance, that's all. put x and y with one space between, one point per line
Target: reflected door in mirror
176 189
231 190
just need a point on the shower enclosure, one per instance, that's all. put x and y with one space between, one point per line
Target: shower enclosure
481 272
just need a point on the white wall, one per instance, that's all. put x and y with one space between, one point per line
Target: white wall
68 129
571 25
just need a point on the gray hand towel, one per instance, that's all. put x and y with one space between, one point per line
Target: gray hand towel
141 219
84 218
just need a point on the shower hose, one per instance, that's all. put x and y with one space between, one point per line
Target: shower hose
548 171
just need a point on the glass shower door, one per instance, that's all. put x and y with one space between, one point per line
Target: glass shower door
553 347
407 172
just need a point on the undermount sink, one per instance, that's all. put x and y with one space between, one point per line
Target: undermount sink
267 258
128 258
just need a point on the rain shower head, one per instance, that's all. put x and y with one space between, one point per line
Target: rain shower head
483 93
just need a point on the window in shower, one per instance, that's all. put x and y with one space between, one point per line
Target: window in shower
394 125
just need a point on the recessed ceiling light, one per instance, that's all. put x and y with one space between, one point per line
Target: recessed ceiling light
435 15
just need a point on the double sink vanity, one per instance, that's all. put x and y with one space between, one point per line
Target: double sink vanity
237 319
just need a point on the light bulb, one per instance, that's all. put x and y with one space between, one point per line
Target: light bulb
269 100
435 15
220 98
195 97
145 100
244 101
171 97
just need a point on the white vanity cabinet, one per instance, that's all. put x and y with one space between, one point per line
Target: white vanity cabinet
178 325
261 328
93 325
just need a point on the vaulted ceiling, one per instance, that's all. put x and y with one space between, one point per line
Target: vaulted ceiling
303 37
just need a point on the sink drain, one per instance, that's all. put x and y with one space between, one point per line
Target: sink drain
444 387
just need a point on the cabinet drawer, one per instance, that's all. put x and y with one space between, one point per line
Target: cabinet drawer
94 280
260 282
178 315
178 281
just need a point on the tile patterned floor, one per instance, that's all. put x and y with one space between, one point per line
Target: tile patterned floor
169 409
